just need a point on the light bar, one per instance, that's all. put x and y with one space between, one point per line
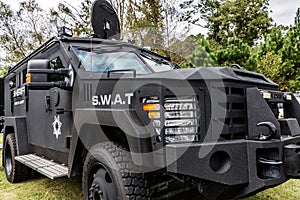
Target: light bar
267 95
288 97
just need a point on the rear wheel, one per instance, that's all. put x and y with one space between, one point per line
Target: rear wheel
108 175
15 172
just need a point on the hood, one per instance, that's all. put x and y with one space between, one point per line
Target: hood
213 74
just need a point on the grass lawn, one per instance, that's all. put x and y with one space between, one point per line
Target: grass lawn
42 188
70 189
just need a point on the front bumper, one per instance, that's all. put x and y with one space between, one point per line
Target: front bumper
254 165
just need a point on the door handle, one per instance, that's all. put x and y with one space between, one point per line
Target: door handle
47 103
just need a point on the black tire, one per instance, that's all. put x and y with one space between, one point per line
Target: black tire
108 174
15 172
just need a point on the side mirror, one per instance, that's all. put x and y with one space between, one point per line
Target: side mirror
37 65
38 73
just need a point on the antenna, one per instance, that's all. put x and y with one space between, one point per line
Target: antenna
105 20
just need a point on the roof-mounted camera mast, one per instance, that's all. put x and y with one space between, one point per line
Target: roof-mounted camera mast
105 20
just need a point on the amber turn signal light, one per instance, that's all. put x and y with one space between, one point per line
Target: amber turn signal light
149 107
28 78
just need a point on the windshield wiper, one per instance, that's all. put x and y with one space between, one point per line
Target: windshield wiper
155 59
176 66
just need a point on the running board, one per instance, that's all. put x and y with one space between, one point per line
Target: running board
46 167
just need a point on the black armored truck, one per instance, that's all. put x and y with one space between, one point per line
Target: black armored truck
136 126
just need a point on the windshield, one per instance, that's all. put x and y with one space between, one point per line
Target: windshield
109 61
157 64
104 61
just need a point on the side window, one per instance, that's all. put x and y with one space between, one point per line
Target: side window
13 82
56 64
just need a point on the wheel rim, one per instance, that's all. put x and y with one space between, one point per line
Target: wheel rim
101 185
8 160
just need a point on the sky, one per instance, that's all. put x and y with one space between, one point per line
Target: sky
284 11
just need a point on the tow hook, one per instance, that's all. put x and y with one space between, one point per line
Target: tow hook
272 131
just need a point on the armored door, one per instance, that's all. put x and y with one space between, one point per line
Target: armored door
49 115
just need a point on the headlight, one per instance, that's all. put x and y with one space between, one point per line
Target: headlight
180 138
179 114
182 122
178 118
180 131
181 119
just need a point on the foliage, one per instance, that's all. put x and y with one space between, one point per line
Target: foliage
144 23
232 37
227 19
195 11
297 18
3 71
24 31
174 28
246 20
76 19
204 54
234 29
180 51
282 43
271 66
211 53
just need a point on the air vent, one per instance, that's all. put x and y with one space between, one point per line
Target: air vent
235 122
88 89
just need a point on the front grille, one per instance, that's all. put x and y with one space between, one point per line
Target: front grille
181 119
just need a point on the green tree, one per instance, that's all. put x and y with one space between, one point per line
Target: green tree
247 20
3 71
195 11
76 19
145 23
24 31
282 43
204 54
226 19
297 18
235 51
11 40
272 67
174 28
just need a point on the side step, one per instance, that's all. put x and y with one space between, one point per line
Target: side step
46 167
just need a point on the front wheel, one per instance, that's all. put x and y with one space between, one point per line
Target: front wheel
15 172
107 175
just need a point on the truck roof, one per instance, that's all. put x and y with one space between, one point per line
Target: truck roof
64 39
